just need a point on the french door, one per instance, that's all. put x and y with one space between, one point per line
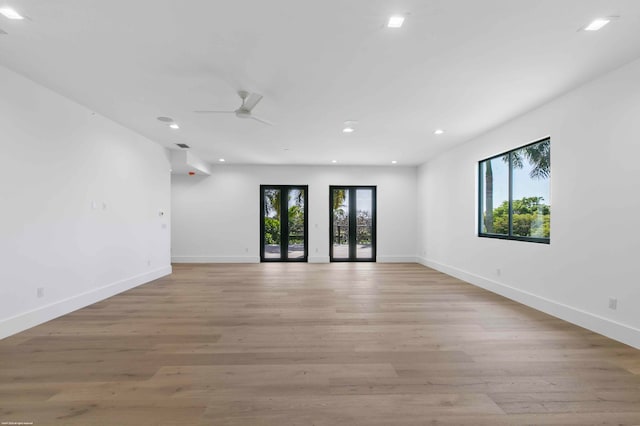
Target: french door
353 223
283 223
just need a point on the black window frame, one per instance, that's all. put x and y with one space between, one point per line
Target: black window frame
510 236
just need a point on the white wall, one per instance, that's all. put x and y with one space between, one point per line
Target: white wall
595 237
58 161
217 218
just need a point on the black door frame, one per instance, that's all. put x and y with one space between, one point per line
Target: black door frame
284 224
353 223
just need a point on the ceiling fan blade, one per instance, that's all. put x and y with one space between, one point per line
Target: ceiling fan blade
262 120
214 112
251 101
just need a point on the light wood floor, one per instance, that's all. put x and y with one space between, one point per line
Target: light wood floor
306 344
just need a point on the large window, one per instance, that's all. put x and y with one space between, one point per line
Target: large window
514 197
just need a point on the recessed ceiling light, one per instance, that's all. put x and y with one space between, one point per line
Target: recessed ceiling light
438 132
10 13
334 161
394 162
174 126
597 24
395 21
349 126
221 160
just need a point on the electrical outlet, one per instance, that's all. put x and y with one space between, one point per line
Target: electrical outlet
148 262
316 249
613 303
40 292
498 272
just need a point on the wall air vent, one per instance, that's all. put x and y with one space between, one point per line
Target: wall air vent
183 145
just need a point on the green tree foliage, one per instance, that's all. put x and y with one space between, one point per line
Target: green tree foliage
488 189
295 216
271 230
539 155
296 224
272 202
339 197
340 217
531 218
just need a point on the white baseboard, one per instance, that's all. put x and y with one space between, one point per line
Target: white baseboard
607 327
215 259
396 259
54 310
256 259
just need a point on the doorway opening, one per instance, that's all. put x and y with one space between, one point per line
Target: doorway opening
283 223
353 223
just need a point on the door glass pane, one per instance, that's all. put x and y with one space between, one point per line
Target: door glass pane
296 223
272 223
364 223
340 224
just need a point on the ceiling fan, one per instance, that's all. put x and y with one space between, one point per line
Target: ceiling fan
249 102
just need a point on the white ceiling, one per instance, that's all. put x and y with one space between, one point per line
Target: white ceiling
462 65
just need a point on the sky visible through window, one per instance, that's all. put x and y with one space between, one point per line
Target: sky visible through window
363 199
523 184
